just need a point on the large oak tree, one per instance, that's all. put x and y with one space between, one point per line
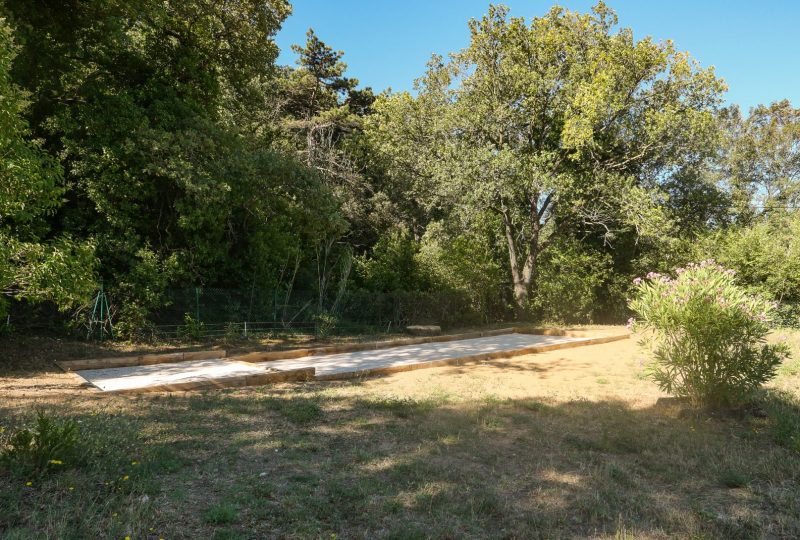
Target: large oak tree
561 122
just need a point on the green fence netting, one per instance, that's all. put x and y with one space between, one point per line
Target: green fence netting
213 312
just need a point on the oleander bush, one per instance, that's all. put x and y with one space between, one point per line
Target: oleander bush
707 334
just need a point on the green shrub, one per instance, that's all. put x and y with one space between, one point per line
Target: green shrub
325 324
570 277
708 335
141 291
464 262
391 266
133 323
233 331
49 444
766 257
192 328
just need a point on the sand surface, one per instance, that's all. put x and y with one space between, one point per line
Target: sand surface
331 364
127 378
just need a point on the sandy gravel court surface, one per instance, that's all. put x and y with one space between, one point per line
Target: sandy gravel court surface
132 377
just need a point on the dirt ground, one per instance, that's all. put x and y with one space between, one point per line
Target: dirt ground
594 372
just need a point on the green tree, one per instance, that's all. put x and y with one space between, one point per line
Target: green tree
34 265
145 103
555 125
319 84
762 165
321 117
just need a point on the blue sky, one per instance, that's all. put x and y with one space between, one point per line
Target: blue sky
754 45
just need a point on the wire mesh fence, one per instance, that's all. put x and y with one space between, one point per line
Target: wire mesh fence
197 313
208 313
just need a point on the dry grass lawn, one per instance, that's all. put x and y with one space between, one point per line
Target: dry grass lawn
566 444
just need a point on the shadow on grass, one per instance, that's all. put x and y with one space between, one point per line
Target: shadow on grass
302 461
520 364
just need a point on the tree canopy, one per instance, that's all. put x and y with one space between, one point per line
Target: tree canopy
35 265
555 126
158 145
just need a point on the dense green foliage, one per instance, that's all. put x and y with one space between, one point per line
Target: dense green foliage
158 146
708 335
34 264
558 127
766 257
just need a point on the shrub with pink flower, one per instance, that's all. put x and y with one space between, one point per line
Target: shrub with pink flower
707 334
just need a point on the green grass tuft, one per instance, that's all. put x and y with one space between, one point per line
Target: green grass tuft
298 410
733 479
220 514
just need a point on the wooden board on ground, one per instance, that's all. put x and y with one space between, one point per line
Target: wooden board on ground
140 360
424 330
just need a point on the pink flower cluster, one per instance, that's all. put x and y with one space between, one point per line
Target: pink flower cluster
706 288
708 263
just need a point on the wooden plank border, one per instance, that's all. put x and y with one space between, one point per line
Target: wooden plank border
306 374
140 360
267 356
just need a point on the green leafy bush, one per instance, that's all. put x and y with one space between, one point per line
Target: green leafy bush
141 292
464 261
766 257
325 323
47 445
570 277
233 331
192 328
708 335
391 266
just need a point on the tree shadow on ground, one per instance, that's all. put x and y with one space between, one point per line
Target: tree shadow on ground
300 461
527 365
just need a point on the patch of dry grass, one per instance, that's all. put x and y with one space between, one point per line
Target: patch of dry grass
571 443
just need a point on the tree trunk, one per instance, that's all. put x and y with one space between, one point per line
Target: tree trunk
521 295
524 275
521 275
